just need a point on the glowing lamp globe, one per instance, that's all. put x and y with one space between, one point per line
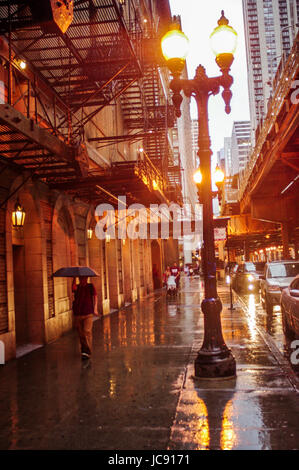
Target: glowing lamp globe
224 42
197 177
175 47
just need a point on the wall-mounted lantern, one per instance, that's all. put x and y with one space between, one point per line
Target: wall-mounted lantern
89 233
18 215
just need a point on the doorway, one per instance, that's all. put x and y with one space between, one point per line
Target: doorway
21 321
27 273
156 264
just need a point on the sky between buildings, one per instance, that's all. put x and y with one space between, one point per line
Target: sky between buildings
199 18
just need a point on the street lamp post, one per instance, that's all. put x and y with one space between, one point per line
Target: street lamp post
214 359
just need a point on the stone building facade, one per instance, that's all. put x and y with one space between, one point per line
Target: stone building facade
51 162
35 307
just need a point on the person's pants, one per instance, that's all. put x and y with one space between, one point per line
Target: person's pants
83 324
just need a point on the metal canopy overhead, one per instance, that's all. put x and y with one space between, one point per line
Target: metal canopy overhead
131 179
70 77
25 143
80 63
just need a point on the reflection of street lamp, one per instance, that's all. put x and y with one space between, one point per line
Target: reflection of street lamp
214 358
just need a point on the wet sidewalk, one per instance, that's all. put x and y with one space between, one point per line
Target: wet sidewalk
137 392
258 410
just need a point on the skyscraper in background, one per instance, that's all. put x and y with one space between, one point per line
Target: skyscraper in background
228 156
270 27
185 151
233 157
221 159
240 146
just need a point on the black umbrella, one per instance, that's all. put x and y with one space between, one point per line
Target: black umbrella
75 271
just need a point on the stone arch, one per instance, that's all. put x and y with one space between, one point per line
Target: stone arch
64 254
94 257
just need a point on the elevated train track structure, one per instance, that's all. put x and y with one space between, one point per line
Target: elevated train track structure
269 187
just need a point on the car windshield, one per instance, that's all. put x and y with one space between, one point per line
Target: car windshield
249 267
284 270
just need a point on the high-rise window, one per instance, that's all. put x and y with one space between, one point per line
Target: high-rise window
269 32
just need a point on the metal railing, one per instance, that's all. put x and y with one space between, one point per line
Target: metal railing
155 181
149 174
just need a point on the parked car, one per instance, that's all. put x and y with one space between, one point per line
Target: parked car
289 302
277 276
246 278
231 265
259 267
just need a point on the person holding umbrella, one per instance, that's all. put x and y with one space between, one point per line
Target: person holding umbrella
85 305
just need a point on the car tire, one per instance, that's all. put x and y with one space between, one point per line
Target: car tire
288 332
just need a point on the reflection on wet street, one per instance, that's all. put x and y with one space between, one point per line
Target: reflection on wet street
137 392
270 324
258 409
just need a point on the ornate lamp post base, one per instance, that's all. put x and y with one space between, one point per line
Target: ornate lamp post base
214 360
215 365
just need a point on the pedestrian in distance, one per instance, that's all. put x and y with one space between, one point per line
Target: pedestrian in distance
166 275
85 306
175 271
171 286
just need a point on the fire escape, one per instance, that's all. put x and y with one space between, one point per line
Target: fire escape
72 73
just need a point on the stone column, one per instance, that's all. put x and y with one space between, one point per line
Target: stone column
105 278
95 262
142 274
136 267
127 274
116 298
148 266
